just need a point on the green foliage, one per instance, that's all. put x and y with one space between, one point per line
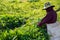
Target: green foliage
10 22
25 33
18 19
33 0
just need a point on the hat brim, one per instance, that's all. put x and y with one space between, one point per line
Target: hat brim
48 7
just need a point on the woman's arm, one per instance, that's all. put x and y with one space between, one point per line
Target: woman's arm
45 19
58 10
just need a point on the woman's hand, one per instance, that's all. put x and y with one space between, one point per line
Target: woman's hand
39 24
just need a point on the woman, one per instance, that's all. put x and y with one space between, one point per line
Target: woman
50 20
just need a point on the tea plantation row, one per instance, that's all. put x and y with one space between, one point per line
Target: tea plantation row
18 19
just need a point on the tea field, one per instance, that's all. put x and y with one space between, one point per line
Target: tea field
19 19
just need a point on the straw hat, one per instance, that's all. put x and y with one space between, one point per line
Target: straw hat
47 5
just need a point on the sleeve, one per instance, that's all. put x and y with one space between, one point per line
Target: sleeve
45 20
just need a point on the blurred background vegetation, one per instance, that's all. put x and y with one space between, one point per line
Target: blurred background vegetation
19 19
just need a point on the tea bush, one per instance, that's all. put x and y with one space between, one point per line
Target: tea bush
10 22
33 0
25 33
18 19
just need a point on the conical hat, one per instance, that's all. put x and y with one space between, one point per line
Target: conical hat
47 5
